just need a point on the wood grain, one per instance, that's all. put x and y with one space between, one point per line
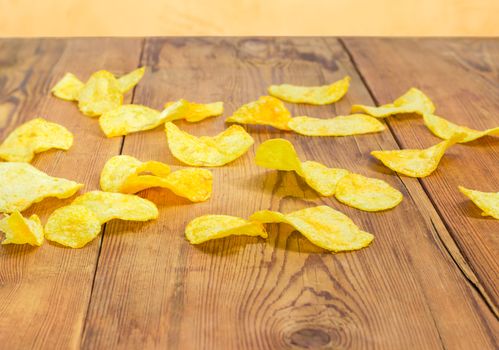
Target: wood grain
154 290
461 77
44 292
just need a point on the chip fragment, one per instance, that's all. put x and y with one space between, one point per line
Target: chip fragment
68 88
322 225
416 162
20 230
444 129
315 95
354 124
218 150
126 174
413 101
487 201
267 110
128 81
28 185
195 112
35 136
207 227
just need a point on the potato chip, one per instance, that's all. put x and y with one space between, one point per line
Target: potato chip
322 225
19 230
127 119
315 95
445 129
128 81
108 206
267 110
416 162
218 150
321 178
207 227
28 185
35 136
366 193
72 226
354 124
413 101
101 93
123 174
487 201
68 88
195 112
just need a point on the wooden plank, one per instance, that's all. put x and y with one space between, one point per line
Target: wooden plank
461 77
44 292
153 289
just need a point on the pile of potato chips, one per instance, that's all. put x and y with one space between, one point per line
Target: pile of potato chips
80 222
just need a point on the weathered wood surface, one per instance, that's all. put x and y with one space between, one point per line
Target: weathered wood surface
143 285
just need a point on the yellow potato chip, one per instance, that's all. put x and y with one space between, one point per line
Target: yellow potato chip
68 88
267 110
315 95
416 162
321 178
207 227
322 225
28 185
35 136
366 193
19 230
354 124
101 93
218 150
72 226
127 119
445 129
107 206
413 101
487 201
128 81
195 112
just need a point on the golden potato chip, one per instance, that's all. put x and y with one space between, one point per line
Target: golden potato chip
413 101
68 88
315 95
487 201
207 227
107 206
416 162
195 112
128 81
445 129
267 110
72 226
366 193
321 178
322 225
28 185
35 136
354 124
101 93
127 119
218 150
19 230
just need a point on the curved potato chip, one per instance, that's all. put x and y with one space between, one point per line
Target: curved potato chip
322 225
101 93
35 136
487 201
193 184
68 88
207 227
354 124
107 206
195 112
19 230
127 119
321 178
128 81
72 226
413 101
445 129
416 162
218 150
315 95
366 193
28 185
266 110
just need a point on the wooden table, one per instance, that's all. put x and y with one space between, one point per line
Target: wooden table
428 281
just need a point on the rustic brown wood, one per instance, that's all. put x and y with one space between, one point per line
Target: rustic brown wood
153 289
44 292
462 78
